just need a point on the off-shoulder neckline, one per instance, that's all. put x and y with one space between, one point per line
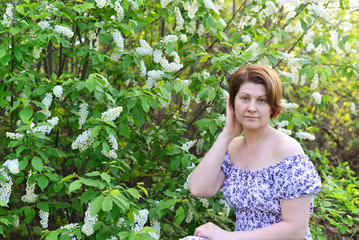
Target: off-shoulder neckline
273 166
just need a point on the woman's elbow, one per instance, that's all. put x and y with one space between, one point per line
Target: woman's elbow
199 192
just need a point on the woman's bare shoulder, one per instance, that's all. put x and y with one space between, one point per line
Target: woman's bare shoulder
236 143
286 145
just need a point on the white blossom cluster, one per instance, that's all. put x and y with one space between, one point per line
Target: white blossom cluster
173 66
134 4
111 114
153 77
5 188
169 38
140 220
44 219
117 37
255 49
157 56
246 38
285 131
191 7
114 145
209 5
204 201
144 49
200 29
226 207
112 238
47 102
270 9
317 97
353 4
222 118
315 82
186 146
157 226
12 165
143 69
46 129
191 28
353 108
288 106
303 78
282 124
319 10
30 196
179 19
64 30
189 216
164 3
185 103
83 141
186 184
58 91
305 135
121 222
101 3
44 24
115 56
183 37
83 113
119 10
14 136
36 52
7 17
90 221
16 221
70 227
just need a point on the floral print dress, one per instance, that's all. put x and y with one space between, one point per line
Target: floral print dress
255 195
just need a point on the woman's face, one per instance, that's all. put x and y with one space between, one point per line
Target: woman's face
251 106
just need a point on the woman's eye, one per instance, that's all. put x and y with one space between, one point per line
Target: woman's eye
262 100
245 98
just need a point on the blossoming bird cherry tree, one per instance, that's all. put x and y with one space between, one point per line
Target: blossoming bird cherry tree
107 105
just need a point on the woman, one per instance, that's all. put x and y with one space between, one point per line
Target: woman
266 176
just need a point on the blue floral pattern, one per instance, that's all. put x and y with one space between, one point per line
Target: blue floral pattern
255 195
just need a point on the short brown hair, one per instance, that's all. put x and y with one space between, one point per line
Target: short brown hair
259 74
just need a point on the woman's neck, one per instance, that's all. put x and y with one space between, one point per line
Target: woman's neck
254 137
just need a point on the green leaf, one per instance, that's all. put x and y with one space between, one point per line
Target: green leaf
43 182
53 235
91 83
107 204
124 130
96 205
44 206
95 131
93 174
145 105
180 215
127 60
25 114
134 193
36 162
106 177
86 6
75 185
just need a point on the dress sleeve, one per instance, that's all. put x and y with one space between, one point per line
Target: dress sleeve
226 165
298 178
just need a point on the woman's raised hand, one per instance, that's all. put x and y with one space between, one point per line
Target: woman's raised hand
232 127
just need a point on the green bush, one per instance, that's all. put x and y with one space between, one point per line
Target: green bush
108 105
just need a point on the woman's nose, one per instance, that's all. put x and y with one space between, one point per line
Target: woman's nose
252 106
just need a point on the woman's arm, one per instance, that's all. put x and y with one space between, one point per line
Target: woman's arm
295 215
207 178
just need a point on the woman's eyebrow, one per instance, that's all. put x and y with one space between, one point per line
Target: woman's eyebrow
244 93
